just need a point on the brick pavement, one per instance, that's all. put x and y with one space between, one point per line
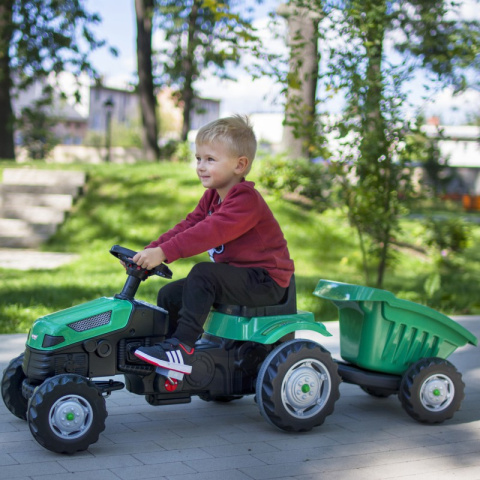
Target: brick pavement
365 438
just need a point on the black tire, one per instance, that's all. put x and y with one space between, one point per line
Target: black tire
378 392
12 380
431 390
297 386
66 413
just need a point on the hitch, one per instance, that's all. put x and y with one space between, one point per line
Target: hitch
107 387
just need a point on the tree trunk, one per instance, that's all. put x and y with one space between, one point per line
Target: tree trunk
7 145
299 124
144 12
373 145
375 159
188 94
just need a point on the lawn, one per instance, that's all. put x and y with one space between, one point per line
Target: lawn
132 204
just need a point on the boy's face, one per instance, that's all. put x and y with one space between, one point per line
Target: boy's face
218 168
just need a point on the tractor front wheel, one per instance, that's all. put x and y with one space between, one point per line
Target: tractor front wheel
66 413
12 380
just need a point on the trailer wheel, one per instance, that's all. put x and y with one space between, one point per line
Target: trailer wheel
431 390
66 413
297 386
12 380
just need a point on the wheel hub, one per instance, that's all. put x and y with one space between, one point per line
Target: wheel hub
306 388
437 392
70 416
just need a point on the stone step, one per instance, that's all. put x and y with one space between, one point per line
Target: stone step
33 176
55 201
14 227
72 190
31 242
34 202
33 214
16 233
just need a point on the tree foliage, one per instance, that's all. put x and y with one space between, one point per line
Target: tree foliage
424 150
371 51
310 184
36 128
200 36
427 34
39 38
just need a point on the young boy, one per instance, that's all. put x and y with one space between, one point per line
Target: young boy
233 223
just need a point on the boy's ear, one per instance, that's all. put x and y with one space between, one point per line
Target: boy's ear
242 165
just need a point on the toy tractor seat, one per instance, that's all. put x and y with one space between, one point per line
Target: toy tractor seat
287 306
264 325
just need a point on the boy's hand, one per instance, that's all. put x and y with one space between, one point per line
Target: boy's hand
149 258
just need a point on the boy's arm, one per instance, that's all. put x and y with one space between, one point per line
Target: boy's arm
239 213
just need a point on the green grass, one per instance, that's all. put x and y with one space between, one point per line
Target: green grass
132 204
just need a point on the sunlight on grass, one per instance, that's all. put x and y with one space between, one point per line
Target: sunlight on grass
131 205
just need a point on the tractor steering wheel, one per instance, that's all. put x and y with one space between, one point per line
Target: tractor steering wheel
126 255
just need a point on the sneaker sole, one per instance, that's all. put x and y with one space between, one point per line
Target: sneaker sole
185 369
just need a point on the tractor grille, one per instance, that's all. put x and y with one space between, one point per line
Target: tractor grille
91 322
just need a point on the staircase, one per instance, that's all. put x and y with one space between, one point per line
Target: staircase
33 203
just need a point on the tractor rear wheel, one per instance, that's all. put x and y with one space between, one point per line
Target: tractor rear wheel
297 386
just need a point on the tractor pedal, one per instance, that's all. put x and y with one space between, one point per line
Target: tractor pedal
170 375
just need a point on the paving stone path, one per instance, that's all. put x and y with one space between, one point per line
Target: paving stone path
366 438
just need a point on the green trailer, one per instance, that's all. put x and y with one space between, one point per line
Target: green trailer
390 346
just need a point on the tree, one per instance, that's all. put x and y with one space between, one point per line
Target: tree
425 34
6 113
428 33
144 10
301 89
38 38
374 198
201 35
36 128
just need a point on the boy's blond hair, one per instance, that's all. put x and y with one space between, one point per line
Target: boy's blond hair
235 132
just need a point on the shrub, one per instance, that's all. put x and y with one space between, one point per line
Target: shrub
451 234
299 178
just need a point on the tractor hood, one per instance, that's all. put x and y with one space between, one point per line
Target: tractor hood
79 323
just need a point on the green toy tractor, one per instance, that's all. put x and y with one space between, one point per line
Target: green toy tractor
74 358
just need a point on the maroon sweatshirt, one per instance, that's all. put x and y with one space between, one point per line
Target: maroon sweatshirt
240 231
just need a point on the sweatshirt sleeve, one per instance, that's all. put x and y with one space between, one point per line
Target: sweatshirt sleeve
236 215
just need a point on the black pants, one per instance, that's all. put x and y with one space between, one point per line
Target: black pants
189 300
